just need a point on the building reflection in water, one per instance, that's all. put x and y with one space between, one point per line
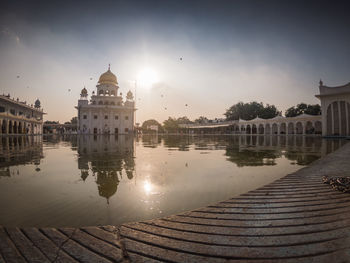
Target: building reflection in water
252 150
19 150
81 174
107 159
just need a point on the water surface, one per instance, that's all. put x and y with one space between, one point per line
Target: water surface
101 180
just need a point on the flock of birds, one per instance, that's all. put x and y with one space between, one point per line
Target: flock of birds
162 96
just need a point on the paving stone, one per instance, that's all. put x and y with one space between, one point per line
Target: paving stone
26 247
8 248
96 245
47 246
105 235
72 248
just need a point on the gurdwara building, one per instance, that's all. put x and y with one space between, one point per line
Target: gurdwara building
106 112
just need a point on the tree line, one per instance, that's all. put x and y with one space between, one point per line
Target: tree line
240 110
252 110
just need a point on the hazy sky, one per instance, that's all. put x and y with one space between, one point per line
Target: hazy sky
269 51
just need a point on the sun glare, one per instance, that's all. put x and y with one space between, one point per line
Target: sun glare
147 77
147 186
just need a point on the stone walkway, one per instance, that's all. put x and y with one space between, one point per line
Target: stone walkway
294 219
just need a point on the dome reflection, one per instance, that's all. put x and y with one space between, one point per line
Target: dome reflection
106 158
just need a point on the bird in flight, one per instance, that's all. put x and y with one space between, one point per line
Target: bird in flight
18 77
68 90
180 58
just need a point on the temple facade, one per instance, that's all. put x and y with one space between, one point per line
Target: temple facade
106 112
18 117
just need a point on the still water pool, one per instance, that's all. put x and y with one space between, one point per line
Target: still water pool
101 180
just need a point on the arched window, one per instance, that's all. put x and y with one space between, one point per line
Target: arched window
254 129
100 92
318 127
274 128
100 102
112 92
309 128
261 129
291 128
299 129
112 103
283 128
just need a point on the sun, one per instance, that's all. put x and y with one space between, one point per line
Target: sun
147 77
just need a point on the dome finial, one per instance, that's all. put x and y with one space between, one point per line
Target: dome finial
129 95
37 104
109 66
84 93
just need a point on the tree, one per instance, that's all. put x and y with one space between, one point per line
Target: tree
303 108
313 109
171 125
291 112
74 121
146 124
251 110
268 112
201 120
183 120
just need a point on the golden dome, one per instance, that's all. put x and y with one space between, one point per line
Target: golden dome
108 78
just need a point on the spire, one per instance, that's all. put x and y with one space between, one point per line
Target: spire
321 82
109 66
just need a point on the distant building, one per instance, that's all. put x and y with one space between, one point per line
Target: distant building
52 127
334 121
335 105
17 117
303 124
106 112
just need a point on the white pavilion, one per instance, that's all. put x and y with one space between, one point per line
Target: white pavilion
106 112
